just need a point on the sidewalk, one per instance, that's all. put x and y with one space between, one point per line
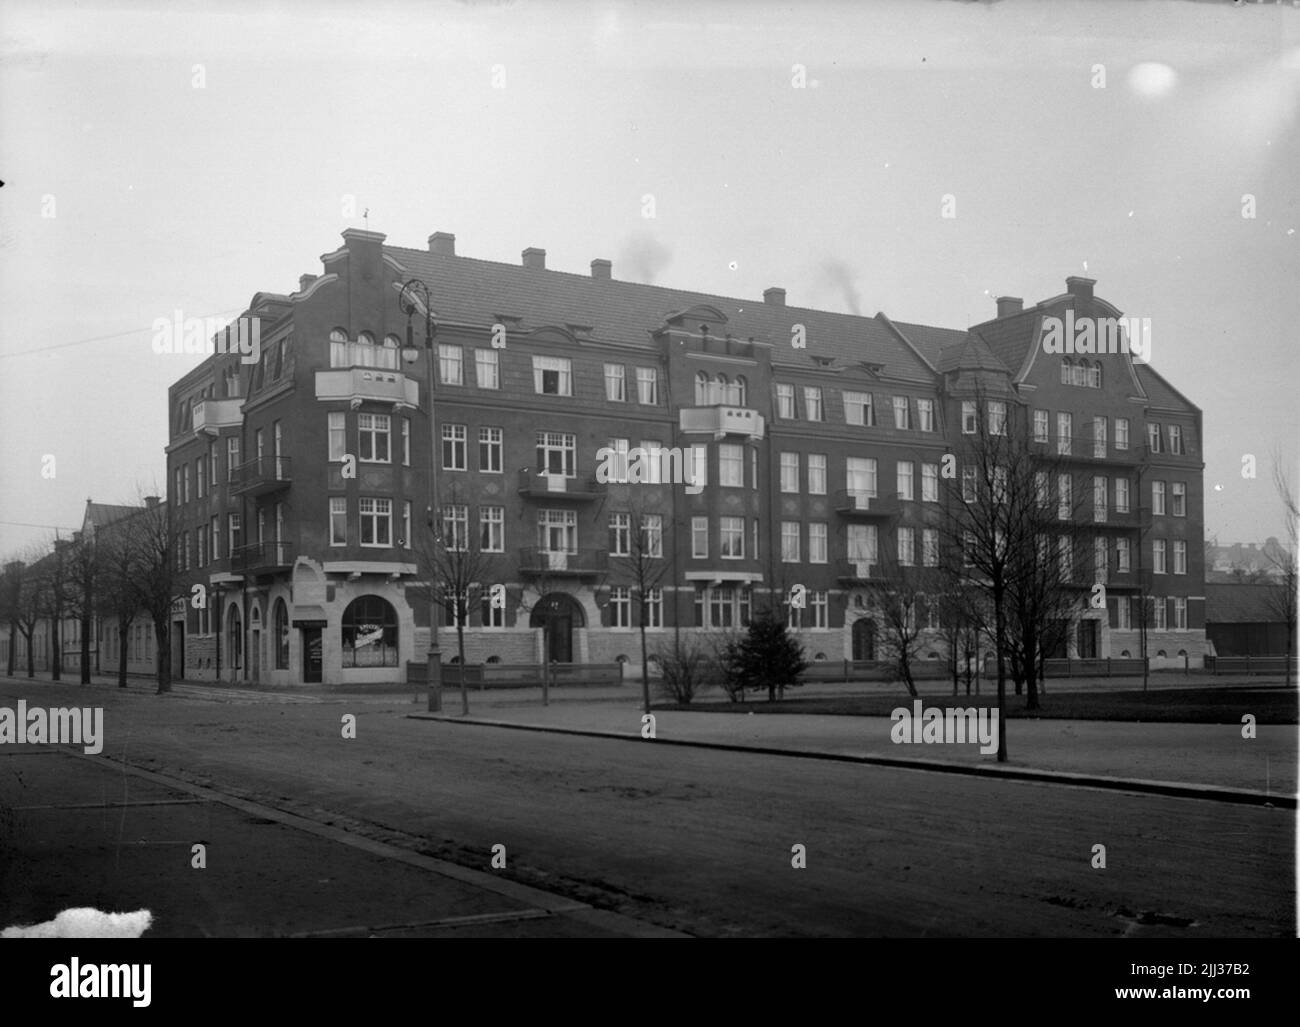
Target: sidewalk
1203 756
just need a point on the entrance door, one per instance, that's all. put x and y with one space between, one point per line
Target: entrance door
311 655
560 628
864 639
558 613
1087 639
256 654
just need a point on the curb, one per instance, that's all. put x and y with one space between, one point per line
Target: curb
1210 793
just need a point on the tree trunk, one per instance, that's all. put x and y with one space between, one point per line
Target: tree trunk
85 649
164 662
122 627
645 670
1001 632
460 652
56 647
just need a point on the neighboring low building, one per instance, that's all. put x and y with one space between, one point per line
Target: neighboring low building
1245 620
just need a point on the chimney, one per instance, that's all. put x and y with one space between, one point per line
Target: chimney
443 244
304 281
1081 287
533 257
1008 305
602 269
151 501
774 297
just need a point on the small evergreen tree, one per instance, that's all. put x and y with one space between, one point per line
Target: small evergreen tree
766 657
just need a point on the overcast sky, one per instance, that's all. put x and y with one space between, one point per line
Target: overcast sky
180 187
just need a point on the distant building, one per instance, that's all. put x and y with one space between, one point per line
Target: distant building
1244 620
819 437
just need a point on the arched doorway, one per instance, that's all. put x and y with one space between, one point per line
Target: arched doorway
235 640
864 639
558 613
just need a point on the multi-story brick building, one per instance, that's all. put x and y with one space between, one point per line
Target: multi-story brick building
298 480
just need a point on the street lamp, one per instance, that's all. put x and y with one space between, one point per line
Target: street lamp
415 290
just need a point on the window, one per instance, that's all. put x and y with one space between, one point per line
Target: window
1160 611
930 547
557 453
1122 555
1180 556
376 521
369 633
968 484
732 538
817 542
1040 426
653 457
722 607
699 538
200 478
1158 498
1099 436
817 474
620 534
819 605
906 472
862 539
731 464
1081 373
902 413
487 369
489 450
1100 560
790 472
338 436
557 531
233 533
699 456
789 541
552 376
858 409
860 473
1158 556
451 365
1043 488
491 616
619 450
653 605
968 417
455 527
620 607
338 348
793 617
215 538
1065 548
997 417
232 457
784 401
929 483
201 536
812 401
1121 433
1124 615
280 622
1175 439
404 541
1094 375
615 386
1064 496
406 442
373 434
647 386
212 465
1153 437
1178 493
184 473
906 546
492 529
1180 613
1067 372
925 414
1099 497
1064 431
1121 495
652 536
454 446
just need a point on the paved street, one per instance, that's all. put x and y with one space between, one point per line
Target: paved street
691 839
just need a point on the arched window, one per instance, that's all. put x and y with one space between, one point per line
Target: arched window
701 389
1081 373
720 389
742 388
281 627
338 348
363 350
1067 371
388 354
235 638
369 633
1095 379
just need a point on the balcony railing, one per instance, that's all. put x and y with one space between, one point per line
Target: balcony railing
534 485
261 475
856 503
583 562
357 384
211 415
264 556
859 572
721 421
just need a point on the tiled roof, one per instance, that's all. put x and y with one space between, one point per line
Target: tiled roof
972 353
1009 338
471 290
100 514
1159 391
1239 604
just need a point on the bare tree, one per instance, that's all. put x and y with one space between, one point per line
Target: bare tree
145 574
457 569
639 564
25 600
117 596
1282 593
899 598
84 573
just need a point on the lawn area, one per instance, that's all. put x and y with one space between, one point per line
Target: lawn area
1269 705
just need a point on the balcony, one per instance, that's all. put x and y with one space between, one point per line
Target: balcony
261 475
857 573
721 421
557 487
264 557
368 384
211 415
1129 520
582 563
860 505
